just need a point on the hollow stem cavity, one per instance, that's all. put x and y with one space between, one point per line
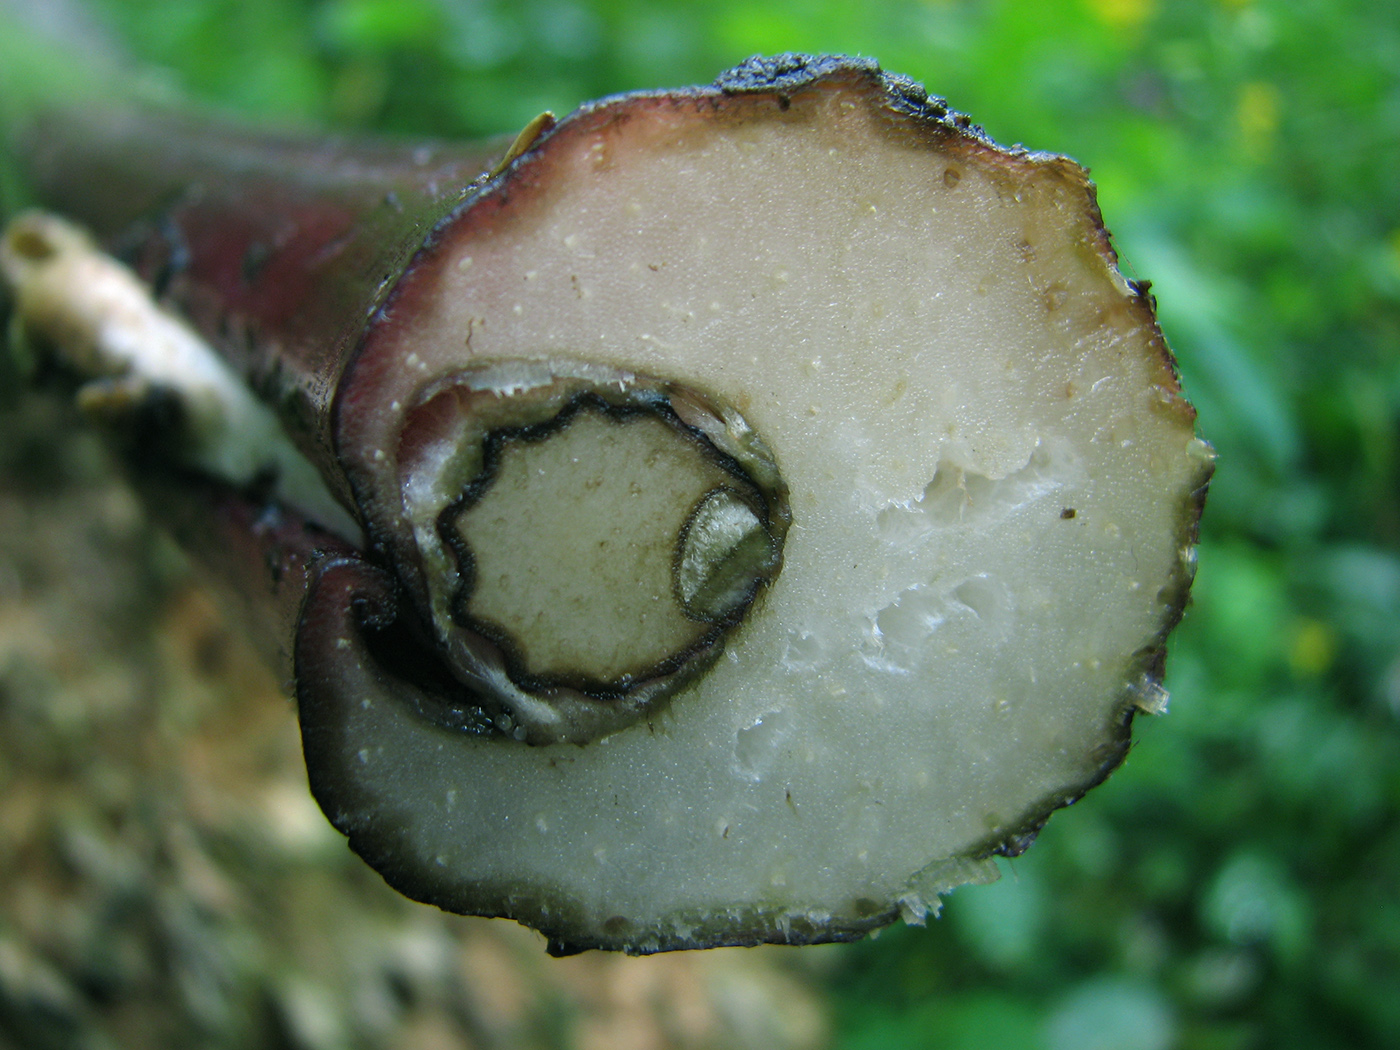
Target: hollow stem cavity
597 535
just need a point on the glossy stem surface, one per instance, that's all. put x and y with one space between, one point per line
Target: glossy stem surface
278 249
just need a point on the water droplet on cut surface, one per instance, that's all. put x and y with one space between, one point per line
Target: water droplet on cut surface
803 650
756 748
982 595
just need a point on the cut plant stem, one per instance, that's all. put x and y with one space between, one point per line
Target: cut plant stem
777 499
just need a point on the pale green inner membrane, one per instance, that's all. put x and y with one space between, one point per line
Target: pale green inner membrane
574 545
725 549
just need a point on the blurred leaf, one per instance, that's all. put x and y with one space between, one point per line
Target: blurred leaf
1001 923
373 25
1111 1015
1253 901
970 1022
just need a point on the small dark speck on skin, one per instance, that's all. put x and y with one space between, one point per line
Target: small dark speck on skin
254 259
1067 513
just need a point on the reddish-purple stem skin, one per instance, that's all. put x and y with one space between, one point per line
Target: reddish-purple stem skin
267 555
278 249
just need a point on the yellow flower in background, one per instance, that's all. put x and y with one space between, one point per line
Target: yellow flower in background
1123 14
1314 648
1257 115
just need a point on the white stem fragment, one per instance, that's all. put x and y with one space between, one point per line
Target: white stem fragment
101 324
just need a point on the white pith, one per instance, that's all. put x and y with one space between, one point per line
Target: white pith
574 545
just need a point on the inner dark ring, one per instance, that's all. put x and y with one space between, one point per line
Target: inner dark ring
684 662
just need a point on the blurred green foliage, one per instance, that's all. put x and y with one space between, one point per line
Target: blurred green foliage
1237 884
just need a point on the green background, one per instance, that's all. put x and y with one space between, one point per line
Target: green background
1237 883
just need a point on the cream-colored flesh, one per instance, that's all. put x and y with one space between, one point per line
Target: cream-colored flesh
573 546
944 365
